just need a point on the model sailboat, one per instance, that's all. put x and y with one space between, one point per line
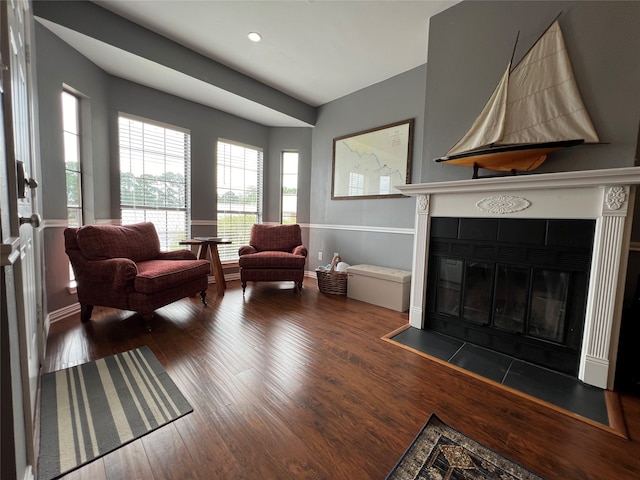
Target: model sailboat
536 109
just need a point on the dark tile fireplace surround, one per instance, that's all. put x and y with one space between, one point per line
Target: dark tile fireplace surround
517 286
533 266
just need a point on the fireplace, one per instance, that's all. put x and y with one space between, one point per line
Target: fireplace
584 294
517 286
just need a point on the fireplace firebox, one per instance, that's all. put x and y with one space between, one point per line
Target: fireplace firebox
517 286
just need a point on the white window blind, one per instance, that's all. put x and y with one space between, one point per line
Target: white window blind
239 191
155 177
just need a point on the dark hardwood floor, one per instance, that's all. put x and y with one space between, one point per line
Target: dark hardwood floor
288 386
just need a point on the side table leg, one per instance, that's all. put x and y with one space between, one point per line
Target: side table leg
221 284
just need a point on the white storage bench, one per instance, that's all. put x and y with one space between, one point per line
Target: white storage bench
385 287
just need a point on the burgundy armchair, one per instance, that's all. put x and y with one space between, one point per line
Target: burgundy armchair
275 253
123 267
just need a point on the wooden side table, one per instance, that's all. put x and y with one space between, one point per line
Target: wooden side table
210 244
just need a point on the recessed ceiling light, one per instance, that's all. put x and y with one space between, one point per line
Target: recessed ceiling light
254 36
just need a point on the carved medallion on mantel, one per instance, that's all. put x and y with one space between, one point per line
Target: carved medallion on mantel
501 204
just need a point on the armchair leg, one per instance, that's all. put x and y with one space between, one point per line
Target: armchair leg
85 312
299 285
147 317
203 297
244 285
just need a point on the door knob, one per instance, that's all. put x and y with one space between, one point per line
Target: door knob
34 220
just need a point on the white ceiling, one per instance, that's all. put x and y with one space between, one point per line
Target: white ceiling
313 50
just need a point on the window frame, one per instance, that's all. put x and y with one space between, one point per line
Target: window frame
78 172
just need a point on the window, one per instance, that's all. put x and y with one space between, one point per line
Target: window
356 184
155 177
289 187
72 163
239 190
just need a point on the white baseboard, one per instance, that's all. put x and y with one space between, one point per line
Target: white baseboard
64 312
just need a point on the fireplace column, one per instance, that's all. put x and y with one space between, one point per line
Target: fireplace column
606 290
420 255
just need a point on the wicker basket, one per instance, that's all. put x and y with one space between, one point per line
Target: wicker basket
332 282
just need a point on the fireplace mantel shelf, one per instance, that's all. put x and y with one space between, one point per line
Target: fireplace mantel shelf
583 178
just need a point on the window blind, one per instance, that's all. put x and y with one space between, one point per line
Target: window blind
289 213
239 192
155 177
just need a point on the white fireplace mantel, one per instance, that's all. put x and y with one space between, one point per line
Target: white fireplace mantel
606 195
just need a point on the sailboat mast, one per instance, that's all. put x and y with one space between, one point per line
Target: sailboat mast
515 44
513 67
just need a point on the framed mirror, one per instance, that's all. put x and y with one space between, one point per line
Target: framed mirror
371 163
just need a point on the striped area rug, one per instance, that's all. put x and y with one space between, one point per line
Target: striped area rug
91 409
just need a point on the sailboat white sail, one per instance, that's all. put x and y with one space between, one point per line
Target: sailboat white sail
537 103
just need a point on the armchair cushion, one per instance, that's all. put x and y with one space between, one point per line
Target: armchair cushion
138 242
282 238
274 259
156 275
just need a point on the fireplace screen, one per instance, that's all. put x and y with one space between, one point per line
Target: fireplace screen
549 304
470 284
520 289
512 284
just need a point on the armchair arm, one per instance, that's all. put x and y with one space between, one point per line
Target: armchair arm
113 271
246 249
177 255
300 250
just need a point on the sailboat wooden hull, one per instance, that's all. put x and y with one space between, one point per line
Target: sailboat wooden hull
507 158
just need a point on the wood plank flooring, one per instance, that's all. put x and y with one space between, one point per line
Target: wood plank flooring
288 386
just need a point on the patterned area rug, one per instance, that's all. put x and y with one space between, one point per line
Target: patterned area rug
90 410
441 453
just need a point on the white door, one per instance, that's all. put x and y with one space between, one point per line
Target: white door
21 211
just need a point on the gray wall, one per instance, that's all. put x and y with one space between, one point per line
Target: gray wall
468 49
294 140
92 20
206 126
372 231
59 65
471 43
